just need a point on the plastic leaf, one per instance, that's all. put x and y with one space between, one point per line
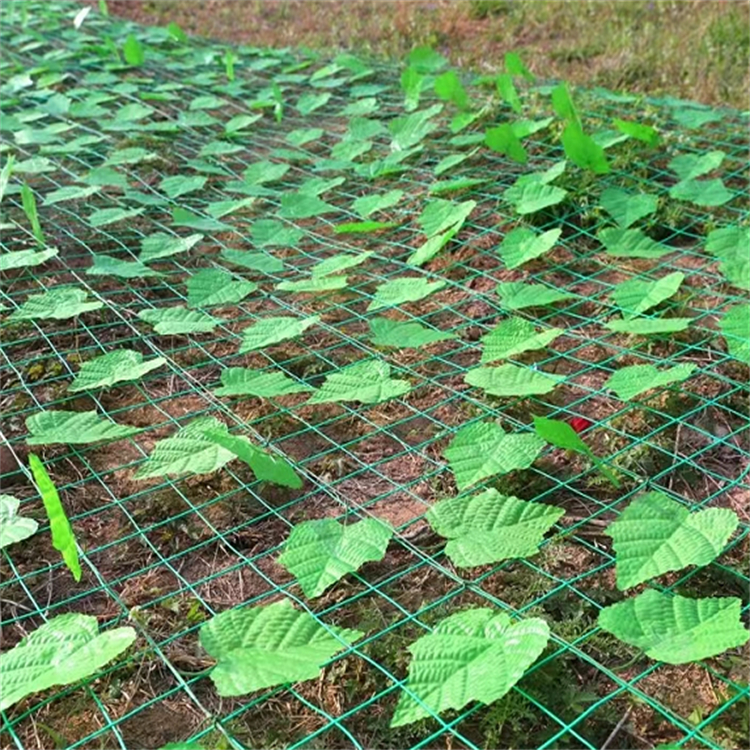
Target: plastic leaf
690 166
477 654
511 380
397 291
172 321
269 331
532 196
73 428
267 467
339 263
265 646
676 629
522 244
638 295
238 381
630 243
404 334
368 382
313 284
161 245
484 449
626 208
14 528
178 185
514 336
211 287
370 204
516 295
57 303
113 367
648 326
491 527
655 535
106 265
628 382
63 538
319 553
735 326
25 258
64 650
702 192
189 451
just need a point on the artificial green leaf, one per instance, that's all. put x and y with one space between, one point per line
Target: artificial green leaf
530 197
58 303
338 263
484 449
648 326
189 451
516 295
635 296
14 528
514 336
162 245
63 538
638 130
404 334
171 321
398 291
370 204
178 185
690 166
314 284
630 243
503 140
267 467
735 327
106 265
211 287
63 651
676 629
262 262
491 527
319 553
26 258
114 367
70 193
269 331
73 428
303 206
655 535
264 646
583 150
368 382
511 380
522 244
477 654
626 208
238 381
702 192
628 382
112 215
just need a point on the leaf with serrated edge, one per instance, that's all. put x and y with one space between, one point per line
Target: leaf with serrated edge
58 303
635 296
477 654
656 535
106 265
368 382
319 553
264 646
339 263
530 197
484 449
676 629
26 258
211 287
63 651
187 452
172 321
628 382
397 291
238 381
511 380
269 331
648 326
63 538
178 185
522 244
515 295
630 243
735 327
14 528
626 208
515 336
491 527
113 367
404 334
162 245
73 428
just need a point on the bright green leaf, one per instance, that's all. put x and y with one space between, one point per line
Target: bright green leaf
14 528
503 140
106 265
26 258
211 287
338 263
178 185
516 295
273 330
702 192
238 381
511 380
630 243
58 303
262 262
112 215
630 381
404 334
514 336
368 382
690 166
73 428
735 327
172 321
530 197
113 367
626 208
162 245
583 150
648 326
637 130
70 193
522 244
398 291
637 295
133 51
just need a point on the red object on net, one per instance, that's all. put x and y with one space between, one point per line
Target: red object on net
579 424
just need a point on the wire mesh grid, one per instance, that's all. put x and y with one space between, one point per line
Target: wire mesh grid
168 554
